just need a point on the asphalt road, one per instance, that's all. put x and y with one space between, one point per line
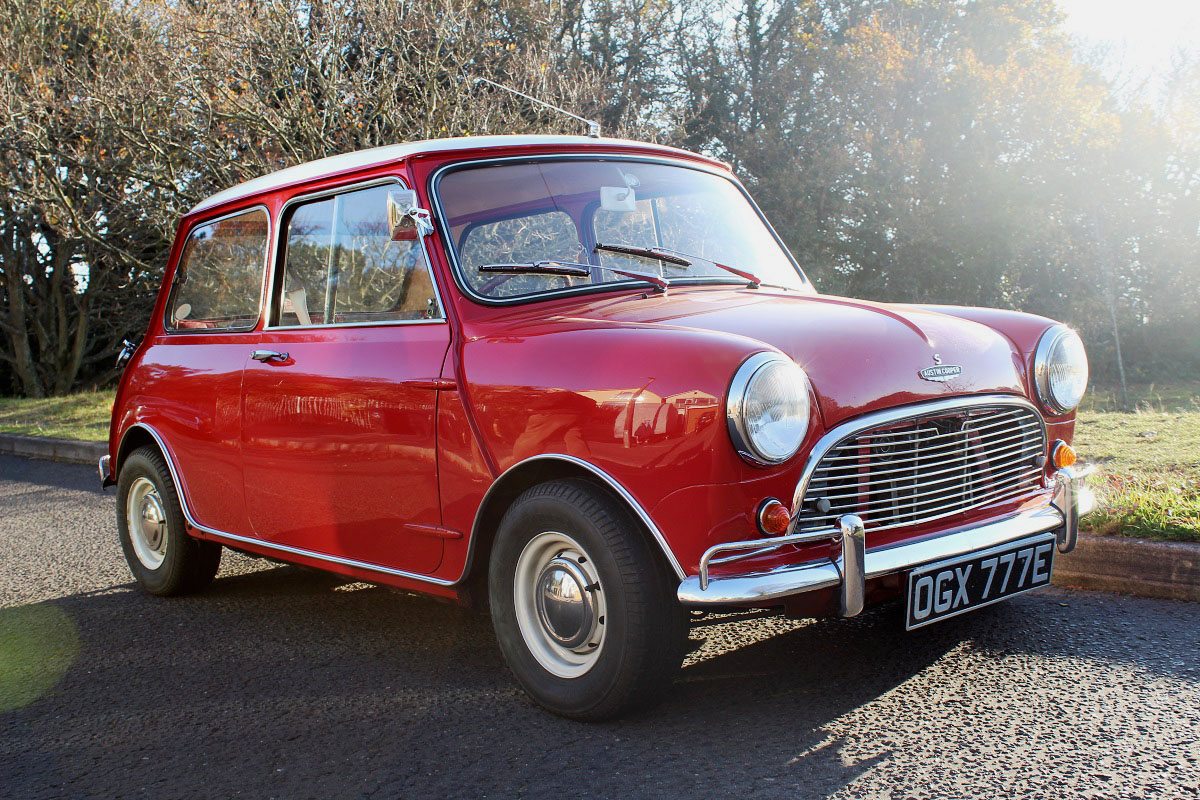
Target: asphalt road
278 682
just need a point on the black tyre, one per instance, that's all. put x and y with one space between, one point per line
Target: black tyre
584 609
162 557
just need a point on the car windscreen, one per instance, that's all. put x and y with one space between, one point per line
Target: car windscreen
535 213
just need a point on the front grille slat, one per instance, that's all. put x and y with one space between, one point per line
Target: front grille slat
942 500
927 467
1022 433
1015 494
921 485
994 422
1015 452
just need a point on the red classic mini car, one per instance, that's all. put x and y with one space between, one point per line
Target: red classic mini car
584 381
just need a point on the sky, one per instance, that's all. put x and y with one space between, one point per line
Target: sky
1143 35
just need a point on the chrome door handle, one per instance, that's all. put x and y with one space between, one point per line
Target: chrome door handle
268 355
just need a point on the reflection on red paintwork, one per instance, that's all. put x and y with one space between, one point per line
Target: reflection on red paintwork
378 443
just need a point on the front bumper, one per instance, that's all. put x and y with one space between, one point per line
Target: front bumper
856 565
105 470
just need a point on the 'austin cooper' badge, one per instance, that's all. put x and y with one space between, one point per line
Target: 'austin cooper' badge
940 372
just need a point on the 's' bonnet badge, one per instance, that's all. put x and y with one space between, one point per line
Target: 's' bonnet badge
940 372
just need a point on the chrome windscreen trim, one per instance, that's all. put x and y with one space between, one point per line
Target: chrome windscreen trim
717 168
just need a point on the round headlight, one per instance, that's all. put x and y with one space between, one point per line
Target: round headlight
1060 369
768 408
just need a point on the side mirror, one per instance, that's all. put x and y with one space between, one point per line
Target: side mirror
408 221
128 348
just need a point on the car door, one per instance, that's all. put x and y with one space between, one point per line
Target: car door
340 398
188 383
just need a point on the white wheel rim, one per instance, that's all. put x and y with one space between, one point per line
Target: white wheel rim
147 520
560 604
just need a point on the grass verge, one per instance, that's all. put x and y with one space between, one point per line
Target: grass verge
1149 461
82 416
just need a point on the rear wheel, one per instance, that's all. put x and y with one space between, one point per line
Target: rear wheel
162 557
584 611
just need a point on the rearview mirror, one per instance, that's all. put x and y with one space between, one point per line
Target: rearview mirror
408 221
620 199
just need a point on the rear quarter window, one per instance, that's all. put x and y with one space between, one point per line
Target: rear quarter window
218 283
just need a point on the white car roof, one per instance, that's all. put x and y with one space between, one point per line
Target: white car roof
361 159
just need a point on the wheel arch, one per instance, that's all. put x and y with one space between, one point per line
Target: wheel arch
137 436
540 469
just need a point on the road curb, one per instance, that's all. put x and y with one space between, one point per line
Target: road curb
44 447
1165 570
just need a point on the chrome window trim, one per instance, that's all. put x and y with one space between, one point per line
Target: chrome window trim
712 280
636 507
338 325
889 416
263 290
277 269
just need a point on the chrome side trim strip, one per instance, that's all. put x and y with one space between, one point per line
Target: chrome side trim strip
611 482
775 584
191 520
599 473
348 562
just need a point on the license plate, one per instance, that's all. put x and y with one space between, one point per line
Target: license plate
952 587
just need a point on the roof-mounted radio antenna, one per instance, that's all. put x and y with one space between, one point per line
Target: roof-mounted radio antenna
593 127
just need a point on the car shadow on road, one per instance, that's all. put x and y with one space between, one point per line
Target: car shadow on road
287 682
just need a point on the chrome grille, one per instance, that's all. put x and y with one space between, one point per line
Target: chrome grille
927 468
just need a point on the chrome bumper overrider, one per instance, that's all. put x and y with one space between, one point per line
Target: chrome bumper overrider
855 565
105 471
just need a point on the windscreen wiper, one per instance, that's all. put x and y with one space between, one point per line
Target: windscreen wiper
539 268
678 259
570 269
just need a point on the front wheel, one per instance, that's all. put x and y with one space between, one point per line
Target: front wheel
163 558
584 611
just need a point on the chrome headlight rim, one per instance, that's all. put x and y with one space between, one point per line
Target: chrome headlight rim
1041 369
743 441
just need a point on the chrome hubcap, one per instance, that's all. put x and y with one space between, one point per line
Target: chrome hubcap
560 604
564 603
147 521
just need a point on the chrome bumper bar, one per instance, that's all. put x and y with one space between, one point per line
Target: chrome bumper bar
855 565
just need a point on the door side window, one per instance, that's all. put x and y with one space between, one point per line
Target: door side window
218 283
342 267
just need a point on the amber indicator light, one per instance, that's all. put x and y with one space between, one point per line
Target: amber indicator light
1064 455
773 518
